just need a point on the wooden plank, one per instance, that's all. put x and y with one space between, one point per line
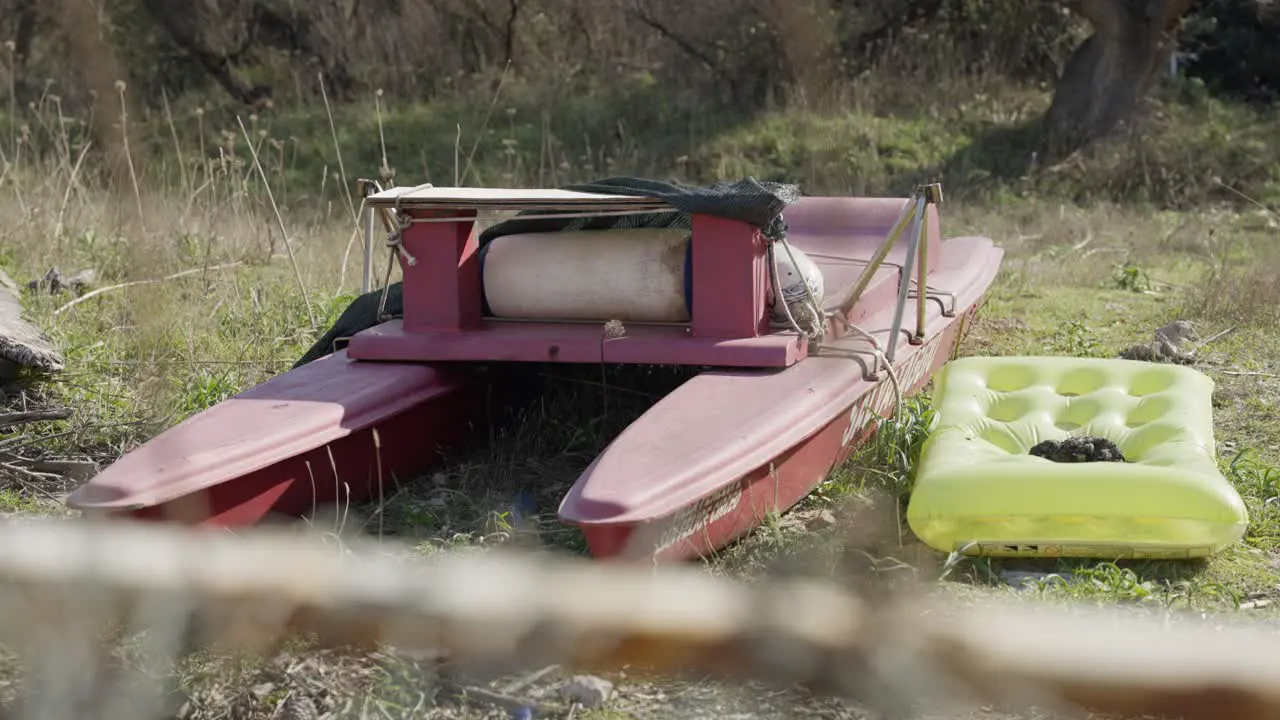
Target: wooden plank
22 345
515 198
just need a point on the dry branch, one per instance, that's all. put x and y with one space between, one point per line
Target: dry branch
59 578
19 418
149 281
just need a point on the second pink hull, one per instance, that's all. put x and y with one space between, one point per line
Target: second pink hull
710 461
729 514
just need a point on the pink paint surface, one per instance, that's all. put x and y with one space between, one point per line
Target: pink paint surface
291 442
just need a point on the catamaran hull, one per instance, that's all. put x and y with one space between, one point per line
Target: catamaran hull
334 432
728 514
368 464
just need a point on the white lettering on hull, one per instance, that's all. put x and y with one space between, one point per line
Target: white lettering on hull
686 522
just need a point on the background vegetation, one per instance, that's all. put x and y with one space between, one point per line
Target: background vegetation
842 96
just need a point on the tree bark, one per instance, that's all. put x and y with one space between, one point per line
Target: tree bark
1111 71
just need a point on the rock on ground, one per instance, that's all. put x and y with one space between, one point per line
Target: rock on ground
588 691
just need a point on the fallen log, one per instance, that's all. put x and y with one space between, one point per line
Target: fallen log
22 345
22 418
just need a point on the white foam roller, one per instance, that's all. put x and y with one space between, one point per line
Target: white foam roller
630 274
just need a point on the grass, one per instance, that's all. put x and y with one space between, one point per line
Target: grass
1098 256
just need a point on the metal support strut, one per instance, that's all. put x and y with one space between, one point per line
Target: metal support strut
914 213
365 188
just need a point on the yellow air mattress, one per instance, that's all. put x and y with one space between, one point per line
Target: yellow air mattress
977 486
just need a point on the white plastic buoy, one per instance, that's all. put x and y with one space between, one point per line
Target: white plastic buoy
792 276
633 275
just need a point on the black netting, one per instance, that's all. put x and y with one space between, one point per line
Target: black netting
361 314
759 204
756 203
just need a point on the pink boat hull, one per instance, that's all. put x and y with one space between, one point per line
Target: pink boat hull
332 431
726 516
707 463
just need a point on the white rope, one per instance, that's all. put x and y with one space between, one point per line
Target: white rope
881 360
394 243
817 328
819 316
876 351
395 238
778 296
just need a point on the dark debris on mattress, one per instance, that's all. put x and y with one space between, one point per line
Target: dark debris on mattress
1078 449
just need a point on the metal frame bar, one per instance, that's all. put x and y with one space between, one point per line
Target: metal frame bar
914 213
365 188
932 196
922 272
855 293
555 216
948 310
904 283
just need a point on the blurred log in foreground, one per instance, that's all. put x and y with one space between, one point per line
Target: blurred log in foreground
62 582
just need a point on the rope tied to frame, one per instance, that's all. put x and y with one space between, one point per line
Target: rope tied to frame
395 238
816 319
395 221
931 195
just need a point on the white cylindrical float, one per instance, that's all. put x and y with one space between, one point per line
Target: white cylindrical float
795 270
637 275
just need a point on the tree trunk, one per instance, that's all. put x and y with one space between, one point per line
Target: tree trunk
1111 71
94 59
807 34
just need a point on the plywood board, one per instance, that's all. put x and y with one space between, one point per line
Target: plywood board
468 198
